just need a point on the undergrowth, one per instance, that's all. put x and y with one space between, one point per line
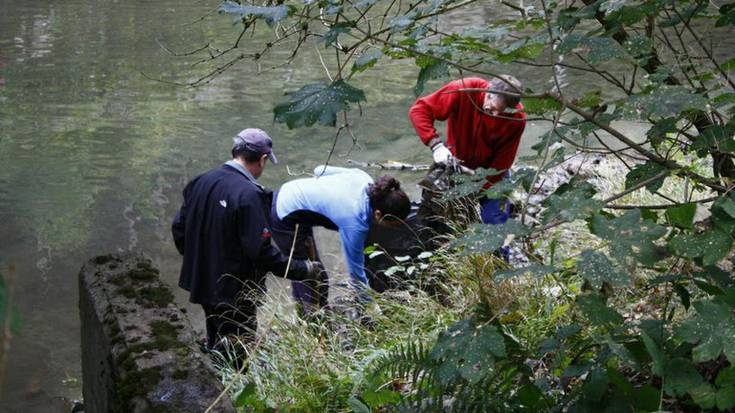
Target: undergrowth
570 331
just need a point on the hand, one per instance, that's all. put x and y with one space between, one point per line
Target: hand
441 153
314 270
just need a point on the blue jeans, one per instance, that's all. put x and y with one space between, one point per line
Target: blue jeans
494 211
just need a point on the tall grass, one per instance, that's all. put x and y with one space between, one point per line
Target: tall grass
316 363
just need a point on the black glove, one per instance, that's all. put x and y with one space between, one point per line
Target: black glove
314 270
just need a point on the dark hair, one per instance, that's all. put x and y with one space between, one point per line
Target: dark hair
242 151
387 196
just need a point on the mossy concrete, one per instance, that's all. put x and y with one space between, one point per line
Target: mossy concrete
138 349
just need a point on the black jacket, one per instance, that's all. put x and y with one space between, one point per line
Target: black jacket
223 232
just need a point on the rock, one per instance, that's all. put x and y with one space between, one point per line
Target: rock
138 349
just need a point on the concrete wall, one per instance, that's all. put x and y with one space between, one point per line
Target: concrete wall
138 349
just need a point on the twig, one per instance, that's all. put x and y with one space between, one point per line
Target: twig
699 201
324 65
637 186
704 48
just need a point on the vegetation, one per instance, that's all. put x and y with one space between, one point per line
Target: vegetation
641 317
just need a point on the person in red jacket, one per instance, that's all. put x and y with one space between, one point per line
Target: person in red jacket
483 129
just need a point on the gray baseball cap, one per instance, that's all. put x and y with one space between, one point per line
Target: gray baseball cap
255 140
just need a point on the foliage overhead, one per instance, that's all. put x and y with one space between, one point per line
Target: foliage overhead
317 103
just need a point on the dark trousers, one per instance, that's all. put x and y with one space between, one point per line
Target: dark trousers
226 320
310 293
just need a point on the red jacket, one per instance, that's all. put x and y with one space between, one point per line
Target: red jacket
475 138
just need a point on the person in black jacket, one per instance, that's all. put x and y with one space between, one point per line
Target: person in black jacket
222 231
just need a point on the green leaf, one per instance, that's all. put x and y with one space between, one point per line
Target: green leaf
357 405
593 306
379 398
710 289
248 397
483 238
524 48
655 352
682 216
595 49
725 398
568 18
611 6
271 15
630 236
430 69
712 246
680 376
726 377
596 268
531 397
365 3
317 103
712 329
539 106
468 351
536 271
729 65
643 172
659 131
725 204
572 204
715 138
664 102
683 294
703 395
590 100
367 60
403 21
728 15
640 47
684 15
724 99
481 35
595 386
465 185
647 398
575 370
654 329
621 383
503 189
335 30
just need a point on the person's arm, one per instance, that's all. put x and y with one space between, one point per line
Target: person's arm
178 227
353 246
439 106
255 241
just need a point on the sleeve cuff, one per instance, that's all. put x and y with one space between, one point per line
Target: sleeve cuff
434 141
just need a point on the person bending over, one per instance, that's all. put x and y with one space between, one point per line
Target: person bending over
340 199
483 129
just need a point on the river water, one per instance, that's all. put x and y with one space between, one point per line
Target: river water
94 155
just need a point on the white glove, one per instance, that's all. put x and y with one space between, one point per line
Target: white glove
441 153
